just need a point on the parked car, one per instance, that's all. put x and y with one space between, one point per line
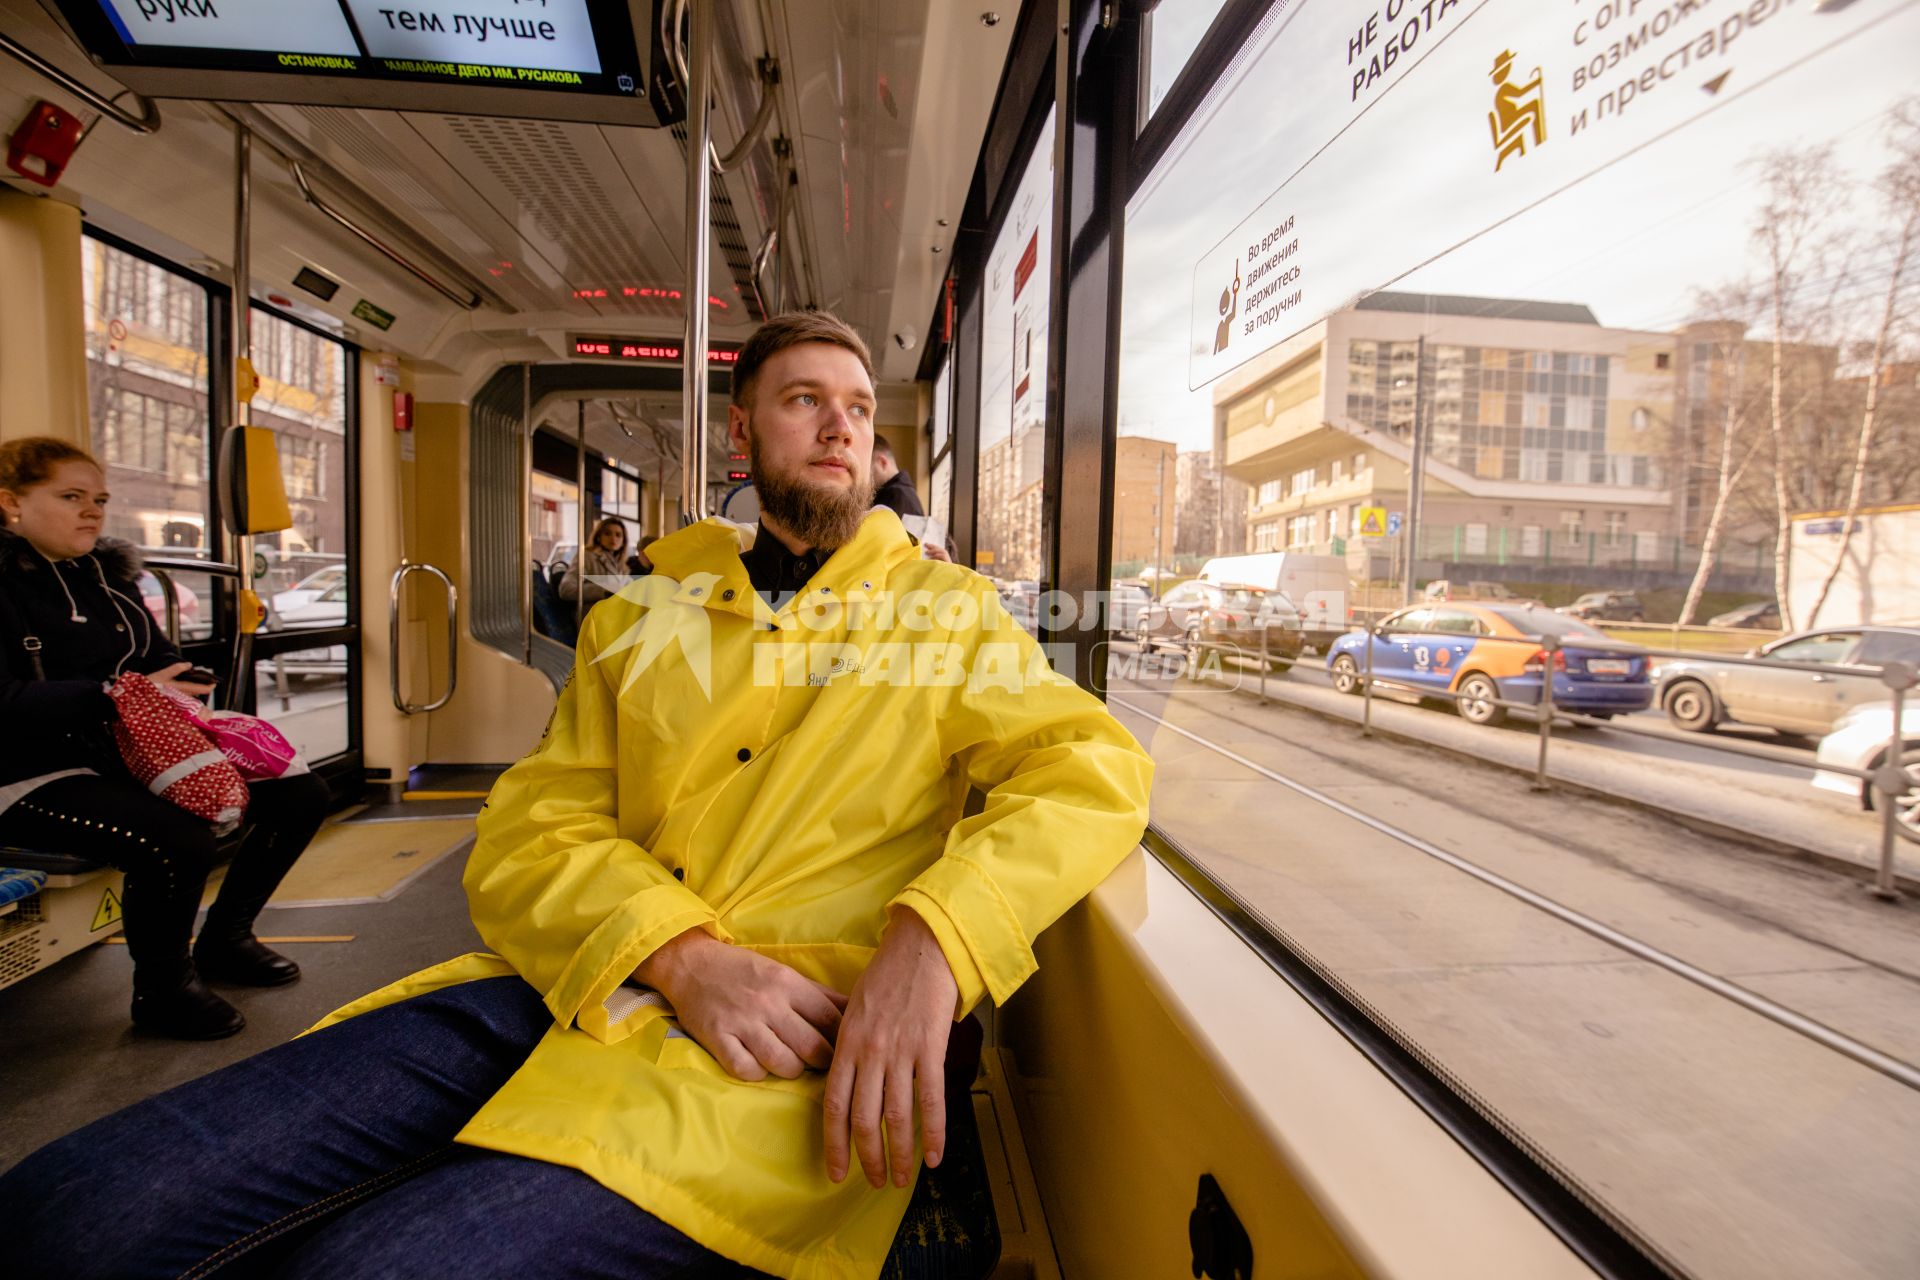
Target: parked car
1442 590
1607 606
1476 654
1127 601
311 587
154 596
1022 598
328 609
1699 694
1763 615
1860 740
1198 616
1317 586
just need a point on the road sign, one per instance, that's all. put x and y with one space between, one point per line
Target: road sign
1373 522
1393 524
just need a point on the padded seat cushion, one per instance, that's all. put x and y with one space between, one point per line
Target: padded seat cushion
18 882
54 864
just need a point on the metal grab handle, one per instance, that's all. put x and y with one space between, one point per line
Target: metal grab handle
470 301
147 121
393 638
172 593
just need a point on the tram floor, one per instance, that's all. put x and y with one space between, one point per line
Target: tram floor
71 1055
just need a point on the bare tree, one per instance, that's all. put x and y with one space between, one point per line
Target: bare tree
1728 384
1900 191
1802 189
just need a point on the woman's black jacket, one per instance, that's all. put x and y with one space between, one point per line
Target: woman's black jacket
58 717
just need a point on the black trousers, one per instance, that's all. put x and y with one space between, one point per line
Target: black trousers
168 853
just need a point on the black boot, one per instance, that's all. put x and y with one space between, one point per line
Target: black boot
227 950
168 997
185 1010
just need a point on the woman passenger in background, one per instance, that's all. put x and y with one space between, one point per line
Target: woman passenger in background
606 557
71 622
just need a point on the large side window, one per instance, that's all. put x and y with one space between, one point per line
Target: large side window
1564 298
1013 378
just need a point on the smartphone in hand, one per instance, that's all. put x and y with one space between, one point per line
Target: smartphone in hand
198 675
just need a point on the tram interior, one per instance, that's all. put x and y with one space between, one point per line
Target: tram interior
474 342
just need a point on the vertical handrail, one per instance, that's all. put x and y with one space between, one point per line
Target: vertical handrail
393 638
580 516
1366 686
693 351
241 303
1890 780
526 514
1549 646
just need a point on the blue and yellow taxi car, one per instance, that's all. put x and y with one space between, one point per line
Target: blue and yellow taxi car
1480 655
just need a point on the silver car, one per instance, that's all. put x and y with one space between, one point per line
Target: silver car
1700 694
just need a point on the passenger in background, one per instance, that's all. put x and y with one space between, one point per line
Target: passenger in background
893 487
71 621
637 564
605 557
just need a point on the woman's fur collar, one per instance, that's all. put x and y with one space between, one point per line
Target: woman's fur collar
119 560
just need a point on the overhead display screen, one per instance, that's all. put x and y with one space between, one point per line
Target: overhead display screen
380 53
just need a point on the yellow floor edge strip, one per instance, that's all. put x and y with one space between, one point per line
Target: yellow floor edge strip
118 940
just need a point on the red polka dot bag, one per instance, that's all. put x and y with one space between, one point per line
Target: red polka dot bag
177 761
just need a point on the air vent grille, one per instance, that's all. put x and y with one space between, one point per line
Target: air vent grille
345 131
536 162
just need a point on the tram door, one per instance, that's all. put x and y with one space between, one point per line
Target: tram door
151 355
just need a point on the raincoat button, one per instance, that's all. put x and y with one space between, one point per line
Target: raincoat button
727 594
696 591
743 755
826 591
679 873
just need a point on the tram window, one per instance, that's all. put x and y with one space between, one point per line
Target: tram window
147 388
1013 378
1561 285
1173 32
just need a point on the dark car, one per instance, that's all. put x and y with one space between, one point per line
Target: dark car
1197 616
1763 615
1607 606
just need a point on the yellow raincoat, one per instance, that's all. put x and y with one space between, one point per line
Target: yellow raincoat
783 781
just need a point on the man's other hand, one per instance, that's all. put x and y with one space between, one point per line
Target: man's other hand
754 1015
891 1054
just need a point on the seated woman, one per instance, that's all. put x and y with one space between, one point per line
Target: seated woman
71 621
605 557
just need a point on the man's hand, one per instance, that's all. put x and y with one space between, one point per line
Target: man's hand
892 1050
753 1014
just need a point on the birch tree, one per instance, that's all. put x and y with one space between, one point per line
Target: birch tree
1899 188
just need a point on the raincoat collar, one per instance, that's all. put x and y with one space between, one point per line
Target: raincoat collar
703 561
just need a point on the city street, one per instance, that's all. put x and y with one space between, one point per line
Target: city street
1770 800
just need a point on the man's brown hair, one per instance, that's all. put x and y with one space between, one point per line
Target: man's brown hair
790 329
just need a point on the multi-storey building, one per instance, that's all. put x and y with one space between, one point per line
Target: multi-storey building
1146 475
1008 519
1544 430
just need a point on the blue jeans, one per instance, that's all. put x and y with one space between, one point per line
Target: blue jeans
333 1156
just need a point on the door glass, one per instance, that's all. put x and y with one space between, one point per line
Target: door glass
1174 31
147 394
303 572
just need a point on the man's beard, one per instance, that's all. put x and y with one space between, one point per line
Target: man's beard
818 515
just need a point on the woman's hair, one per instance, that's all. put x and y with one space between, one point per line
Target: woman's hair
611 522
30 460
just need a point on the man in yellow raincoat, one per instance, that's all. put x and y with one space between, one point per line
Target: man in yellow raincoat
735 903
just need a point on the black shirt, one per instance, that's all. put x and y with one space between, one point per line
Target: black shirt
776 573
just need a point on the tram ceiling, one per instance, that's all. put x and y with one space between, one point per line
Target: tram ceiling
568 225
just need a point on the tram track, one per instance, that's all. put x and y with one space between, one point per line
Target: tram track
1813 1029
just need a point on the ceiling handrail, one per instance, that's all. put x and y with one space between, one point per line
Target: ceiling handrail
471 301
148 121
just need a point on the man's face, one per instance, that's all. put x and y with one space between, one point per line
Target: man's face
809 435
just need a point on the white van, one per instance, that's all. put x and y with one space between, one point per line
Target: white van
1317 586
